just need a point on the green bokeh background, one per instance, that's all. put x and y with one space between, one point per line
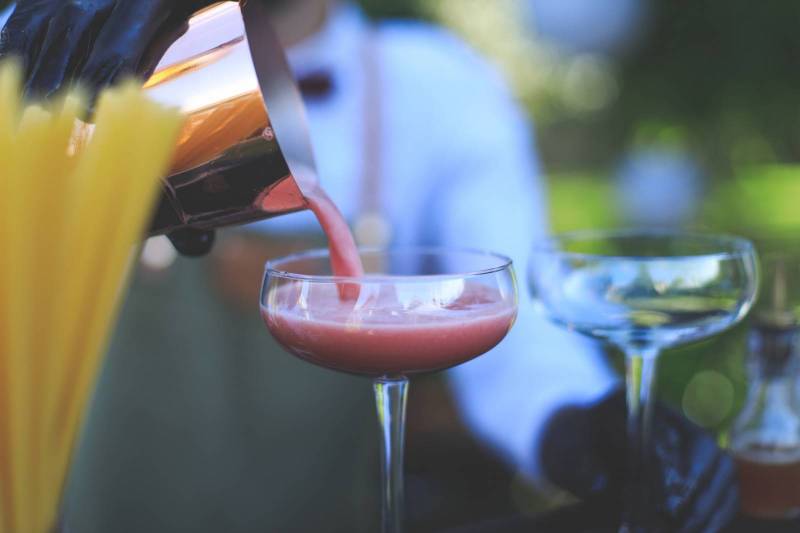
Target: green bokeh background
718 79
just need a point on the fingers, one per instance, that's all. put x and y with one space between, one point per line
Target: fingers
698 480
96 41
687 459
172 29
128 33
609 421
65 48
716 499
567 454
725 512
583 449
23 34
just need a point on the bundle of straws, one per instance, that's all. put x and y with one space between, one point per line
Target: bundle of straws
73 209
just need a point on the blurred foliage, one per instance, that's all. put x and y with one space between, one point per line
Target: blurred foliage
579 201
723 72
724 69
761 202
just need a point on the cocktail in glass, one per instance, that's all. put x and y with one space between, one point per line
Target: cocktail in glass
643 291
412 311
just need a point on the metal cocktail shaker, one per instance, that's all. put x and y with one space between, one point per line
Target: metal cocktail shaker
244 153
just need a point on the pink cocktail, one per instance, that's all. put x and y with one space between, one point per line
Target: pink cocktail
411 311
384 336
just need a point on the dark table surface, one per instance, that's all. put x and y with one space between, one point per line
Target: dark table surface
582 518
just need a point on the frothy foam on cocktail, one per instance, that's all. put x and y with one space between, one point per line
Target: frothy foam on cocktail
387 333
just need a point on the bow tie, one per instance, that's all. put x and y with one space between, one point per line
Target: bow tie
316 85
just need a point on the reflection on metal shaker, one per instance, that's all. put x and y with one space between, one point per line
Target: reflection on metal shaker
244 153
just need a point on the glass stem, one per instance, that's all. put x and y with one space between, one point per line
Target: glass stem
391 395
640 366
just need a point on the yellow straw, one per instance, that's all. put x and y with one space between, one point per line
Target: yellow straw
49 217
70 225
9 83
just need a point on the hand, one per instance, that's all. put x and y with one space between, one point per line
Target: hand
693 482
98 42
94 41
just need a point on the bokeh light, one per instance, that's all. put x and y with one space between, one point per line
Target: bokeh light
708 398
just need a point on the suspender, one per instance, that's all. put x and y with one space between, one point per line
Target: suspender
372 227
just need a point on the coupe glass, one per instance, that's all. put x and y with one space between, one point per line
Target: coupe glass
415 310
643 291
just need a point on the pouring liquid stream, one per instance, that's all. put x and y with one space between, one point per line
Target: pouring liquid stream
345 260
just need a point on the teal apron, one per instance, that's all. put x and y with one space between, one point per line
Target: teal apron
201 423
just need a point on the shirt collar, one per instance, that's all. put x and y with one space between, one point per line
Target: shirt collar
335 46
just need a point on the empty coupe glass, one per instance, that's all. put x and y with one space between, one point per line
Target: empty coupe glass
643 291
